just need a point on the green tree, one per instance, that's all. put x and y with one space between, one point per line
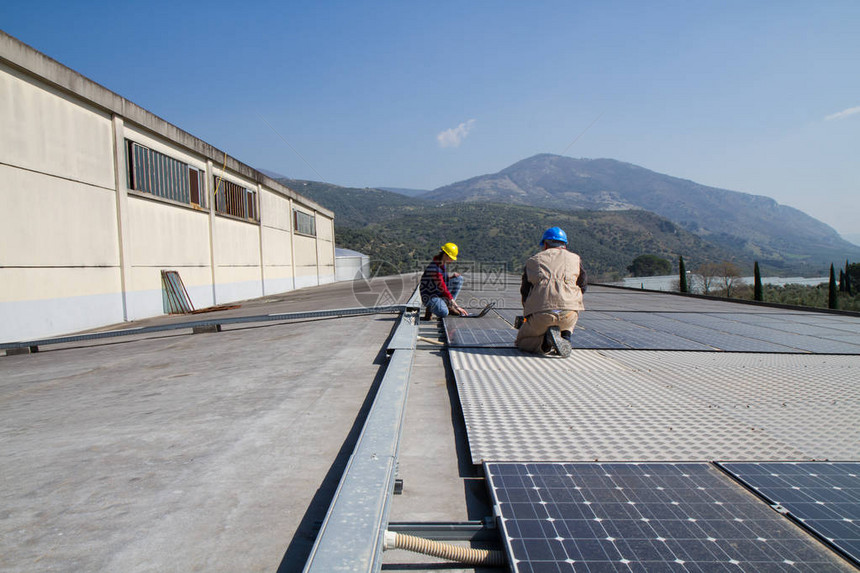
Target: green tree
682 275
853 272
832 292
847 278
758 291
649 266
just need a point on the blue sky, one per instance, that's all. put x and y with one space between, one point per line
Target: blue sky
761 97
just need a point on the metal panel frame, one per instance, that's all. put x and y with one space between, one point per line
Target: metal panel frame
392 309
351 536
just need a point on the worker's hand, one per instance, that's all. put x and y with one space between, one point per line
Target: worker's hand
455 275
460 310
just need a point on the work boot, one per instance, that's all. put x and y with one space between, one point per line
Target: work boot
559 344
428 314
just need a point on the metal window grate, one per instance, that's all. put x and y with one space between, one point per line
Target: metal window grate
155 173
304 223
233 199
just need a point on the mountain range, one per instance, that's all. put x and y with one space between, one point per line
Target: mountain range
614 211
775 234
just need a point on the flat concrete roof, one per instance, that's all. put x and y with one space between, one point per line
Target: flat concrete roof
174 451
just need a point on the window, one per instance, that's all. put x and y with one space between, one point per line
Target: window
155 173
235 200
304 223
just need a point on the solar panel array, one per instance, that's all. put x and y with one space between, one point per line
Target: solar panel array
729 332
615 319
761 384
823 496
643 517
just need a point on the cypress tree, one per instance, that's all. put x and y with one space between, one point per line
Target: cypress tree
832 293
758 291
841 280
847 279
682 272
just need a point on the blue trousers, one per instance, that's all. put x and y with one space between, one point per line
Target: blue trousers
437 305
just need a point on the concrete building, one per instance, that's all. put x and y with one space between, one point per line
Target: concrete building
99 196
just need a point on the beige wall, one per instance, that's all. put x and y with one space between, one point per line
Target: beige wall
163 236
51 133
325 249
48 221
59 260
236 247
78 249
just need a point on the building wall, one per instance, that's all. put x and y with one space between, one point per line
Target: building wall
80 249
325 250
276 242
350 268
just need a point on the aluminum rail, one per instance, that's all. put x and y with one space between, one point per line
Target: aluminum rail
391 309
351 536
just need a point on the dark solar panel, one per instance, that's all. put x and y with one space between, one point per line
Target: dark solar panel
460 336
642 337
765 333
587 338
643 517
823 496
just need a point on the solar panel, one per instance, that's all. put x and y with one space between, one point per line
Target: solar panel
587 338
823 496
634 331
765 332
643 517
463 336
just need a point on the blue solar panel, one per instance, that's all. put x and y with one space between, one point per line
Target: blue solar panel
823 496
641 337
643 517
587 338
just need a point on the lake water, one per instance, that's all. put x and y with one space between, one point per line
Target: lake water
666 282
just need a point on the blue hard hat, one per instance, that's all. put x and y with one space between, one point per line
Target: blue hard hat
554 234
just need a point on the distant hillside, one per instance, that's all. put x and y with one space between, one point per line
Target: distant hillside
354 207
404 233
608 241
852 238
781 237
407 192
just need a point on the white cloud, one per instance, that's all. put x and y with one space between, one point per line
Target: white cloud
454 136
843 114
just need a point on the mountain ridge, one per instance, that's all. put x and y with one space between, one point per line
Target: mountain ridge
495 215
756 224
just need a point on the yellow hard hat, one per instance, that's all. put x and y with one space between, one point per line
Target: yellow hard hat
451 250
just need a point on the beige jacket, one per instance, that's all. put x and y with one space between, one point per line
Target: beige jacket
553 275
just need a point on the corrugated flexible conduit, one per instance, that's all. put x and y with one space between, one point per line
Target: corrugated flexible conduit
456 553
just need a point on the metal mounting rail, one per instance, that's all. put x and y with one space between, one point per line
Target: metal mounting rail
390 309
352 533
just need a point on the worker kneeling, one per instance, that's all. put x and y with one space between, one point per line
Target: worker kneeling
552 287
438 289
